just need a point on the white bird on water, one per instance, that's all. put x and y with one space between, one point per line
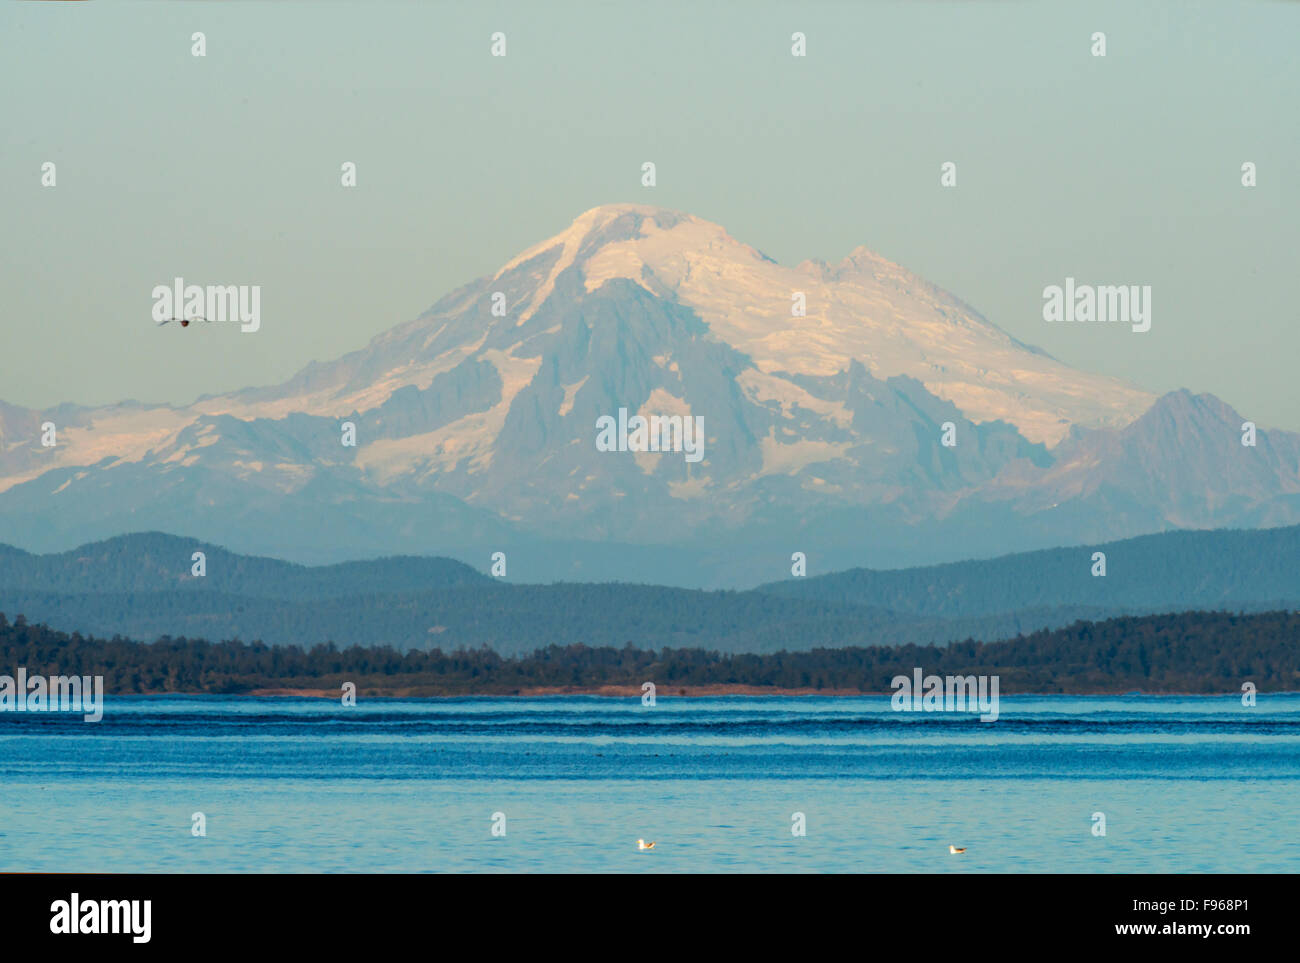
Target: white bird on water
642 844
956 849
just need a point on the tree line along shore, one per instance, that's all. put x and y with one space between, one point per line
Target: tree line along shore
1186 652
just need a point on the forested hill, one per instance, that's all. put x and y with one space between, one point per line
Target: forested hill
1170 571
1194 652
157 562
143 587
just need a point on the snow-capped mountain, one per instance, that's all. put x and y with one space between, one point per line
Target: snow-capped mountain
476 430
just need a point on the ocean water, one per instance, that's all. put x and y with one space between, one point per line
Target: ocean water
1187 784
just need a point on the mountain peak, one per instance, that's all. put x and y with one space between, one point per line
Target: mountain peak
620 208
1183 406
597 219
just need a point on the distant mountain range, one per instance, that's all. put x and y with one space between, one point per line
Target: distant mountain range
1169 572
476 430
141 586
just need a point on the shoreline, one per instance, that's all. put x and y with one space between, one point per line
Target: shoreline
609 691
685 691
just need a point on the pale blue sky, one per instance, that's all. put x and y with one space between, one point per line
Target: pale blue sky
226 169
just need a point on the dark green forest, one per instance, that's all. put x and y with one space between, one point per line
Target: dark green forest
1191 652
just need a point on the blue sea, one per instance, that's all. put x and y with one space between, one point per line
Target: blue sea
1186 784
